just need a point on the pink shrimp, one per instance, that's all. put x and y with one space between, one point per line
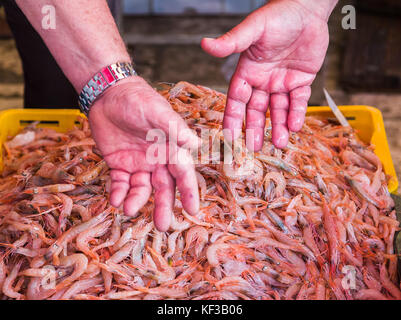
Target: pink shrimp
174 293
278 178
122 294
370 280
92 174
157 241
80 263
320 291
310 240
125 237
3 273
202 185
65 211
55 188
34 228
179 225
212 252
7 288
115 234
370 294
237 284
87 235
123 253
56 248
297 263
195 220
329 225
56 174
386 282
107 280
292 291
200 236
21 139
281 226
167 273
171 244
141 229
82 211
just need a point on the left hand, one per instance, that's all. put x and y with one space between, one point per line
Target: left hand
121 120
282 45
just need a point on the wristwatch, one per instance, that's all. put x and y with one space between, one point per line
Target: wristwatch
103 80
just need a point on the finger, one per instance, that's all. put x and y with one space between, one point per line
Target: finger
164 186
238 96
185 177
238 39
298 104
279 104
138 194
256 118
119 187
176 129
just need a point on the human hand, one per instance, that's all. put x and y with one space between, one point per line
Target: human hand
282 46
120 121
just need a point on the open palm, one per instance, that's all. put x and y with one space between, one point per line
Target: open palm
283 46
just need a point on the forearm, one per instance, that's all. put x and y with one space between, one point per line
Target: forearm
85 40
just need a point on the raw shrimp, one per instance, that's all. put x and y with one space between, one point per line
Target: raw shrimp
279 180
56 248
91 174
167 273
87 235
200 236
7 288
55 188
277 224
80 263
65 212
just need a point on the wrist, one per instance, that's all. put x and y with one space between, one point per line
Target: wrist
93 66
102 81
321 8
112 96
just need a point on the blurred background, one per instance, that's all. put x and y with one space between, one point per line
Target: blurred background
362 66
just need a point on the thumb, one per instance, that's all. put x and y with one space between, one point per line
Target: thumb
236 40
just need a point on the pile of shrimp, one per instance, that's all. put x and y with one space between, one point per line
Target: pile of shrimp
311 221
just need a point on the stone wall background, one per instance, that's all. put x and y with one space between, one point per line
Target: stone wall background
166 49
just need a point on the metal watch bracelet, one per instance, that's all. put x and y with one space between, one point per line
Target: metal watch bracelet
101 81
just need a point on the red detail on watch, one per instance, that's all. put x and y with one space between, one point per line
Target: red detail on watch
108 75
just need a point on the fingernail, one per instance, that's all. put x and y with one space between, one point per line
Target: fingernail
280 140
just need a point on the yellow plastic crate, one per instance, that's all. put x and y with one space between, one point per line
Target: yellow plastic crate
367 120
13 120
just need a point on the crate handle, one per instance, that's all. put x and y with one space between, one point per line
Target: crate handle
28 122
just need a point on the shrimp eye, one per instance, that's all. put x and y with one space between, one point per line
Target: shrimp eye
170 261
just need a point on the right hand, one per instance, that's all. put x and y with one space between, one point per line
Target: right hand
282 46
120 120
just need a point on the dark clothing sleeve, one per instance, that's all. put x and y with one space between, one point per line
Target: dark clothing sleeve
45 84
